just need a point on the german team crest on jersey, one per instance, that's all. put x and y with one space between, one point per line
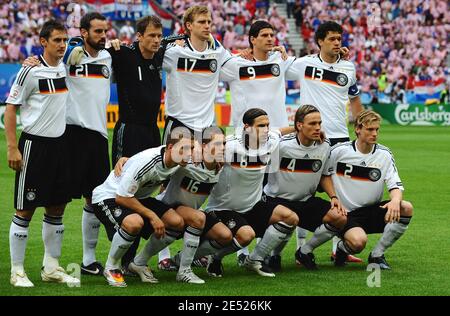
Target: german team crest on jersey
231 224
31 196
275 69
374 175
117 212
213 65
105 72
342 79
317 164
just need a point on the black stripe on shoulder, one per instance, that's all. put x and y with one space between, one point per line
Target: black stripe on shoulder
339 145
228 59
24 71
147 167
326 140
288 137
382 147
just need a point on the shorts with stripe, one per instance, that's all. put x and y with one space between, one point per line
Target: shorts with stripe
130 139
310 212
89 160
111 215
370 218
44 178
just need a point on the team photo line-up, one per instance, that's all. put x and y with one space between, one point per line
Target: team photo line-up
217 192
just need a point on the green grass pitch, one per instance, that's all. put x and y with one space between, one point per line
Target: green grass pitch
420 260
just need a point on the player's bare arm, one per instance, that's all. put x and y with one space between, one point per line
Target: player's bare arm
356 106
393 206
287 130
328 187
13 154
133 204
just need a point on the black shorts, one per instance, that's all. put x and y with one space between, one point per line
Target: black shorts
130 139
210 221
172 123
233 220
111 215
44 179
334 141
310 212
259 216
370 218
89 160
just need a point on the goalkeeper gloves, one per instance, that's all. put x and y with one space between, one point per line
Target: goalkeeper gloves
74 52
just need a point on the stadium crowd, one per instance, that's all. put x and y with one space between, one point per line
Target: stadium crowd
394 44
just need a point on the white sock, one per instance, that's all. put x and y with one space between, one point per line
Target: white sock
191 239
164 254
342 245
278 249
235 246
119 246
335 243
52 235
322 234
207 247
18 237
90 226
243 250
274 235
154 245
301 236
392 232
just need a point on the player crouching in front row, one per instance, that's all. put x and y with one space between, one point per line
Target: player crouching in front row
360 169
123 204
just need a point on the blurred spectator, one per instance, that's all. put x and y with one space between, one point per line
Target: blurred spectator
127 30
396 37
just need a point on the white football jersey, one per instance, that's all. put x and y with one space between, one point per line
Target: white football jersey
300 169
42 94
327 87
192 81
240 182
142 174
258 84
89 90
359 178
190 186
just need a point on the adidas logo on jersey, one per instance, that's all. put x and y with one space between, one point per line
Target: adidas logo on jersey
363 163
306 156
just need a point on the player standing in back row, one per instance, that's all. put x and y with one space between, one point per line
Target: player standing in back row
89 85
193 74
328 82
